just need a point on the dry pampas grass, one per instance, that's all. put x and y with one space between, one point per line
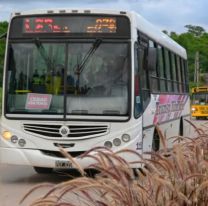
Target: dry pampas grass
171 177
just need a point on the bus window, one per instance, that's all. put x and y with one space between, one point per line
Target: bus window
174 72
160 64
179 73
143 44
35 69
103 76
168 70
137 97
182 75
155 82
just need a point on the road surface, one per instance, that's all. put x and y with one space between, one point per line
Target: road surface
15 181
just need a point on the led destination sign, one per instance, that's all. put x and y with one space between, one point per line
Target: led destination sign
69 25
75 26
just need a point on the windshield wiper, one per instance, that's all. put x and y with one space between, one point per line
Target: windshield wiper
43 53
80 66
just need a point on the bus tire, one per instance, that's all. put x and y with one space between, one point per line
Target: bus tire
181 127
43 170
155 142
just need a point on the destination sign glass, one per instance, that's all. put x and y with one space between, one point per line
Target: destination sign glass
70 26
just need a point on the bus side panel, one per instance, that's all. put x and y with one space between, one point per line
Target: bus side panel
166 112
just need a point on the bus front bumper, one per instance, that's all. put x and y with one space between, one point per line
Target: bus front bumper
36 158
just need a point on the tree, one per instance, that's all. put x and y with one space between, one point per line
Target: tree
173 35
3 29
195 39
165 32
195 30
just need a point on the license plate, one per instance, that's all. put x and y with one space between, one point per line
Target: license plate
63 164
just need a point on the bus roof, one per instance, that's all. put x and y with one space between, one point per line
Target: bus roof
158 36
138 21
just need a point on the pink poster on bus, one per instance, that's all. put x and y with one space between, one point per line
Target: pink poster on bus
38 101
169 107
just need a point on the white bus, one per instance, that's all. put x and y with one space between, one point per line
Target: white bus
87 78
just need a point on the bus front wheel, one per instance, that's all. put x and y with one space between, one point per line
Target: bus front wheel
43 170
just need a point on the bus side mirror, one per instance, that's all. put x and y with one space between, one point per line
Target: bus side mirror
3 36
152 59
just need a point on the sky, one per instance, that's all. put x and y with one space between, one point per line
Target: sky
169 15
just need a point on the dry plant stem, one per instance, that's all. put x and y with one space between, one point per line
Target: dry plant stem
176 177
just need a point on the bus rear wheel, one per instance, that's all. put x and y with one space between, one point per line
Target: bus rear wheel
181 127
43 170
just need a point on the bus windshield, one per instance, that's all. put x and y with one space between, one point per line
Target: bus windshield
74 78
200 98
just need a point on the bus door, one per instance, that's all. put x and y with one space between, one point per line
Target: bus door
143 44
143 71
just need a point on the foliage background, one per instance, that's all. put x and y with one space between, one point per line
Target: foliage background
3 29
193 40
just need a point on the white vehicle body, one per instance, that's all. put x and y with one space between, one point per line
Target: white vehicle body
32 146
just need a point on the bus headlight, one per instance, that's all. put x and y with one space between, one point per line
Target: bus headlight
14 139
193 109
117 142
7 135
108 144
126 138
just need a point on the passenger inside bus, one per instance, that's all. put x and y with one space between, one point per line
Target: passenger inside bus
38 83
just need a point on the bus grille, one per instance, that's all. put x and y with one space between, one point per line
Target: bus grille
75 131
59 154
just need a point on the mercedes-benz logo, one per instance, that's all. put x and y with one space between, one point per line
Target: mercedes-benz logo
64 131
